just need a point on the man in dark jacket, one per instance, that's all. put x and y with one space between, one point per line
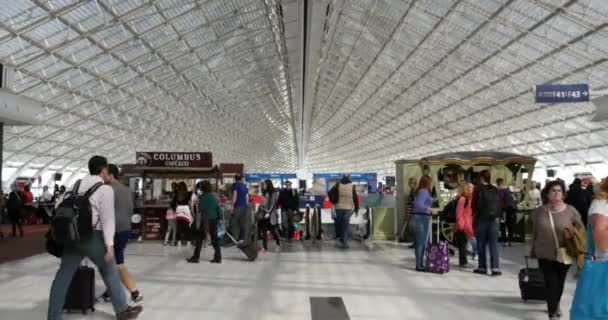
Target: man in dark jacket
486 212
289 201
578 198
15 207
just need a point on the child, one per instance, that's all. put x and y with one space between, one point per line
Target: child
171 227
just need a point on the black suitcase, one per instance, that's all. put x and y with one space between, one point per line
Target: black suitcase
81 294
249 248
531 283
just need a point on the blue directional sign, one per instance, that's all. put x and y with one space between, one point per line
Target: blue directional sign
560 93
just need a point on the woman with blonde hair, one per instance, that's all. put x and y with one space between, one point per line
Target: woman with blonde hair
463 229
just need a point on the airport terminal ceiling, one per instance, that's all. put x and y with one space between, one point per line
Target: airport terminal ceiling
315 85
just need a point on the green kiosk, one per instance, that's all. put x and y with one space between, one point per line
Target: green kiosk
448 171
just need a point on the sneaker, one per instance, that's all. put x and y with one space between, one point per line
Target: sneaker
496 273
480 271
106 296
137 298
131 313
420 269
165 244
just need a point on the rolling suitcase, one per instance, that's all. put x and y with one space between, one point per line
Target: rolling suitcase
249 248
81 293
531 283
437 254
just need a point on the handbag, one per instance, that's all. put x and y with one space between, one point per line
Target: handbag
589 303
52 247
562 253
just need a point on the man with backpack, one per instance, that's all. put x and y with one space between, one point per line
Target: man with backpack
90 204
123 210
486 212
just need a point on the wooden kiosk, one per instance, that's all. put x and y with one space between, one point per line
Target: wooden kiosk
151 178
449 170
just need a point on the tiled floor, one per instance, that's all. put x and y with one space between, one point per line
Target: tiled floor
375 280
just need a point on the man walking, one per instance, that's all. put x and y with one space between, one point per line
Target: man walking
240 203
289 200
123 209
99 248
346 201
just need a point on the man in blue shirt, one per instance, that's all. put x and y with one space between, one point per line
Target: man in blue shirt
240 203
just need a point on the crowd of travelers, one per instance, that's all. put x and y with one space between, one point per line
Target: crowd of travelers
19 207
483 211
560 218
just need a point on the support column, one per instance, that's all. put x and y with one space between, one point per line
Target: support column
1 153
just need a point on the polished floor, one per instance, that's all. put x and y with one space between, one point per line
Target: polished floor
374 280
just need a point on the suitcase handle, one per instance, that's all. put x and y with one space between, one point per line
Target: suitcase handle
526 258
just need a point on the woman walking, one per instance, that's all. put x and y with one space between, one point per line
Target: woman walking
548 241
270 219
209 209
181 205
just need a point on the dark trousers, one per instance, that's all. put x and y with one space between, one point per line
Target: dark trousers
16 222
287 223
264 226
183 231
461 241
508 227
555 276
486 233
343 217
215 241
240 223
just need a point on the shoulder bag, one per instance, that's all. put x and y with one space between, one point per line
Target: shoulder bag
562 255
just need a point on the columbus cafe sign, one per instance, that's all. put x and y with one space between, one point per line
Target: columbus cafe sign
174 159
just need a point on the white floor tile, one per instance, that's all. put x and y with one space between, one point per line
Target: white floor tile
375 280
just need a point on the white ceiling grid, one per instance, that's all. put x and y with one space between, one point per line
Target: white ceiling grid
393 79
121 76
404 79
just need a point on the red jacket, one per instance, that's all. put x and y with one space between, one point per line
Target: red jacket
464 217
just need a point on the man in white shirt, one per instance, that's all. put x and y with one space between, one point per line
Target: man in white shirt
99 248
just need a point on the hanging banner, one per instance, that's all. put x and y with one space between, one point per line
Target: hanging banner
174 159
561 93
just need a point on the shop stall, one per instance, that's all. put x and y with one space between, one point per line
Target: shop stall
151 180
229 170
448 171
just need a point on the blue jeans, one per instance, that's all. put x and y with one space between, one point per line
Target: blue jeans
420 223
94 249
486 233
343 222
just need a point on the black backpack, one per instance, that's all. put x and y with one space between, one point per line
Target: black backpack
73 217
448 214
334 193
488 203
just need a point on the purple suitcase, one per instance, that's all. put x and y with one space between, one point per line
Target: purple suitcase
437 254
